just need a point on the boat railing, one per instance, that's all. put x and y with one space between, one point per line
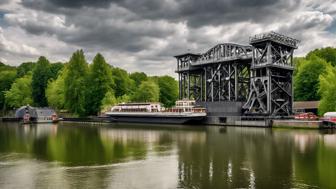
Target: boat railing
185 110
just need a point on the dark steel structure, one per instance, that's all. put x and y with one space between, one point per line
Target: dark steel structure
259 74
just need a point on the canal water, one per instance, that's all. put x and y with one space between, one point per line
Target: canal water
73 155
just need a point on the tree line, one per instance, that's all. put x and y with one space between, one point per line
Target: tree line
86 89
80 88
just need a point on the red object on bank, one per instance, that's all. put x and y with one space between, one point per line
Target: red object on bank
306 116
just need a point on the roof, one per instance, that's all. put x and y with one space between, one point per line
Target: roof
186 54
138 103
306 104
33 111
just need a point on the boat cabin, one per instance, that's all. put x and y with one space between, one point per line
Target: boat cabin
137 107
186 106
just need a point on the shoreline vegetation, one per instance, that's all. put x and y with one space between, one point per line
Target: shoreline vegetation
84 89
80 88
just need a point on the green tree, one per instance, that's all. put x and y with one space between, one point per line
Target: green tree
327 90
168 90
20 92
7 77
306 81
124 99
99 83
138 77
328 54
55 91
298 61
55 69
41 75
123 83
75 83
148 91
4 67
24 69
108 101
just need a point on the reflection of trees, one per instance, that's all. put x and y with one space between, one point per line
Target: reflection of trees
80 146
316 165
237 157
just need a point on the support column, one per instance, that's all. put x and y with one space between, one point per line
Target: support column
212 86
269 90
180 86
205 84
201 99
219 85
188 86
229 83
236 81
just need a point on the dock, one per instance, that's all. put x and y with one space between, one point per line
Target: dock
302 124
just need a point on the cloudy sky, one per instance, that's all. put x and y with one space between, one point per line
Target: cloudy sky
144 35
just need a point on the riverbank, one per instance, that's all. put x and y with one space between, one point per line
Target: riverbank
273 123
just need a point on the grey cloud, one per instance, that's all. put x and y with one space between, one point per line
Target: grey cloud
197 13
143 35
67 3
2 2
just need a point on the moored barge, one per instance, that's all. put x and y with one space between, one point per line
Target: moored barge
185 112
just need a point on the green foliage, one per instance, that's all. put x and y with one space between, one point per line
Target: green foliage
55 69
55 91
306 81
108 101
328 54
99 82
298 61
4 67
168 90
327 90
25 68
148 91
20 92
138 77
124 99
74 83
123 83
41 75
7 77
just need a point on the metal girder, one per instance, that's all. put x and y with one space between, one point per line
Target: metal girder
271 88
260 74
220 74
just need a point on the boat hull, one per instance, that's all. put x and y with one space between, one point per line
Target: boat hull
156 118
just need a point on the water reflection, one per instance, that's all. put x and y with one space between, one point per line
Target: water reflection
83 156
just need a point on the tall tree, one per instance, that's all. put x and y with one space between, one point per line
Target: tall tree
123 83
138 77
99 83
108 101
75 83
55 69
168 90
327 90
55 91
328 54
306 81
7 77
148 91
25 68
41 75
20 92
